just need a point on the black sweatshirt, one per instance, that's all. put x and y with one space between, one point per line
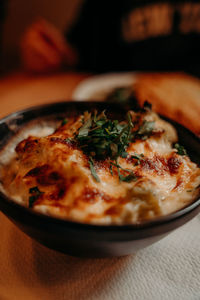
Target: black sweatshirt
126 35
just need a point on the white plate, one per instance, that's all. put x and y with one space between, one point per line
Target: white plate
97 87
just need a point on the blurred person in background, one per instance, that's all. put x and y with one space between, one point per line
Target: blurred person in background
119 36
3 5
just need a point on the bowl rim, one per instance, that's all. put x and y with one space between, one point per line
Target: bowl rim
75 224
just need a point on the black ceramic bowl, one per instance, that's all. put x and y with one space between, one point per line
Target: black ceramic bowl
82 239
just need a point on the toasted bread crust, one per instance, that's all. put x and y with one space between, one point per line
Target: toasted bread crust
174 95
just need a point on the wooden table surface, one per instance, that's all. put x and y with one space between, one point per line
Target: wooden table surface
20 90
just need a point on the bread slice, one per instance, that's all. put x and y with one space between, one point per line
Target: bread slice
174 95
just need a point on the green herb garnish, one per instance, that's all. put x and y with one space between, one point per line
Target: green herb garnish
145 130
180 149
124 154
65 121
35 194
101 137
138 157
130 177
69 140
92 169
111 169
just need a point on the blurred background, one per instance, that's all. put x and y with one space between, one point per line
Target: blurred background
108 37
19 14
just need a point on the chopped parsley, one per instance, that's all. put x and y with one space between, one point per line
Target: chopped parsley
65 121
145 130
124 154
180 149
130 177
92 169
69 140
100 137
35 194
138 157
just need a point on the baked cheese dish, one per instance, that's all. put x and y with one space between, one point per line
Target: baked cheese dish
98 170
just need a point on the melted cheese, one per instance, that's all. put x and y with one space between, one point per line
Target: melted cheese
166 181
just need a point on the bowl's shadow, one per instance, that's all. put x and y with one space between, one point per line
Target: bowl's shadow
80 278
40 268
